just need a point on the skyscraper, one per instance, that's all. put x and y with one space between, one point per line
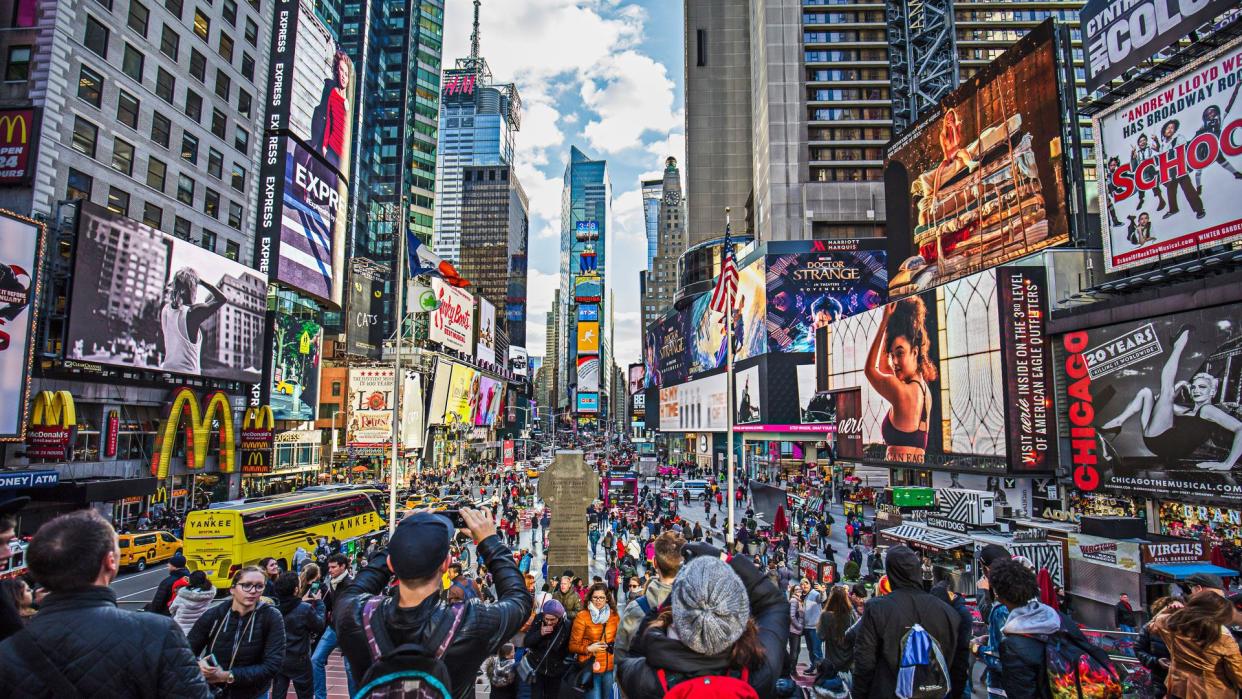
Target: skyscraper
661 281
652 190
495 230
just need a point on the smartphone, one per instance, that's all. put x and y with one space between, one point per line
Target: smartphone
454 516
610 647
314 588
211 660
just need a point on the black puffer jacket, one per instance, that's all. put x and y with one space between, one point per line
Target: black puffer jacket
102 651
959 669
302 621
259 638
482 630
886 620
655 651
163 594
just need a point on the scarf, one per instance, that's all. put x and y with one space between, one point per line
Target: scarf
599 616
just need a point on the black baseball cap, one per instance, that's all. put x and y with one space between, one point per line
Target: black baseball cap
992 553
419 545
1206 580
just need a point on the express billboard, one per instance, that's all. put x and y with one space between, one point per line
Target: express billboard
486 347
21 255
981 179
1156 148
312 219
452 324
364 326
1152 405
146 300
295 360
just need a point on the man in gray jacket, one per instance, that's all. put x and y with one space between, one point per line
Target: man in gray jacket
667 564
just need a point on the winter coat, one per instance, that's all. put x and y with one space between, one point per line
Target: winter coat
840 654
632 617
163 593
190 604
569 600
585 632
1024 673
480 632
1123 615
654 651
886 619
259 640
547 653
959 670
330 593
812 604
303 621
102 651
797 616
1150 649
1197 672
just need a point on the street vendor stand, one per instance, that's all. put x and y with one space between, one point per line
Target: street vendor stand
817 569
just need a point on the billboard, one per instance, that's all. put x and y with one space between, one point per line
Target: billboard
452 324
587 403
311 91
519 361
586 230
463 396
588 311
490 397
980 180
439 388
17 127
665 357
486 347
364 326
370 405
705 330
813 283
146 300
295 367
588 374
312 219
1026 356
1117 36
588 338
1153 405
749 400
750 331
1156 149
21 255
588 288
695 406
635 379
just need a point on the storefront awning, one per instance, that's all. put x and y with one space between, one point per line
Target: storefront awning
916 534
1181 571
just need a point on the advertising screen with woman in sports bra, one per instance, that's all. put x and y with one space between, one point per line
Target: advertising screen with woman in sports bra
900 368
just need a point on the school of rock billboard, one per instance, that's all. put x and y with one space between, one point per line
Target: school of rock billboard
370 405
21 254
981 179
1152 406
1172 158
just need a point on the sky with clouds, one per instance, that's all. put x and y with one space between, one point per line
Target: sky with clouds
606 76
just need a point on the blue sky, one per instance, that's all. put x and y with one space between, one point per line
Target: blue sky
606 76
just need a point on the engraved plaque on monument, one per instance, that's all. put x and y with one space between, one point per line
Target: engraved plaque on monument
568 487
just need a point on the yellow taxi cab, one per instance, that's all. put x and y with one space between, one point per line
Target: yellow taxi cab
141 549
532 473
419 501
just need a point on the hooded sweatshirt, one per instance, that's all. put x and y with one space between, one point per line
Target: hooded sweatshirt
1024 673
189 605
632 618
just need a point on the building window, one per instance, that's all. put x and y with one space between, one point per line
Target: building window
209 240
123 156
247 66
230 11
170 42
105 3
244 101
96 36
157 174
235 215
173 6
241 139
152 215
211 202
215 163
252 32
131 63
223 85
219 123
238 179
161 129
79 185
193 105
232 250
138 17
198 66
202 25
84 136
185 190
225 47
118 201
181 228
18 67
127 109
165 85
189 147
90 86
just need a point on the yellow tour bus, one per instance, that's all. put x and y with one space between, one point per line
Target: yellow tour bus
225 538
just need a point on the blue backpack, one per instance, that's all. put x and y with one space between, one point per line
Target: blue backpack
923 673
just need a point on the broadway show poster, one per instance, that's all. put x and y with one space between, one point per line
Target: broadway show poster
980 180
750 332
665 353
143 299
370 406
21 247
295 367
747 394
313 219
1153 406
365 323
813 283
1172 161
1027 355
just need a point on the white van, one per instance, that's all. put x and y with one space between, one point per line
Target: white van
698 489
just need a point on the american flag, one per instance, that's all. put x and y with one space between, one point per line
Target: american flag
726 286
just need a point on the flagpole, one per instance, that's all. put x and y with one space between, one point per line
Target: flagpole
399 276
729 392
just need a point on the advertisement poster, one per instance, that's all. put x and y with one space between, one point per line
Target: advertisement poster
706 330
1120 554
486 347
1118 36
1153 405
487 402
312 228
813 283
1027 359
588 374
636 379
695 406
146 300
1172 159
370 406
21 253
814 407
452 324
750 332
439 392
588 338
17 138
747 390
588 288
295 368
463 396
311 85
364 329
588 311
980 180
666 360
519 361
587 403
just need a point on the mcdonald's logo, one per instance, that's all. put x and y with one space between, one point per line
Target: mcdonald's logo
258 418
198 431
10 122
16 127
258 433
53 420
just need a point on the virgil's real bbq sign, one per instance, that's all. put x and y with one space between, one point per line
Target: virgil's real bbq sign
1028 360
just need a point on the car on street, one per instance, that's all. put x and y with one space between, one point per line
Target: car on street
671 471
698 489
141 549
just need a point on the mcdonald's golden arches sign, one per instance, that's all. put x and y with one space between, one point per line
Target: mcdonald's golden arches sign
53 420
198 431
258 428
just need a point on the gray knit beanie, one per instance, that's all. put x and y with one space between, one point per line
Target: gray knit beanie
710 607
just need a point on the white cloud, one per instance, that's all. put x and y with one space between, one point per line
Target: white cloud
569 119
674 145
631 94
540 288
627 338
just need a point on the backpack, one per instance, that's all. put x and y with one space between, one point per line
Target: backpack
1077 673
923 673
406 671
504 672
709 687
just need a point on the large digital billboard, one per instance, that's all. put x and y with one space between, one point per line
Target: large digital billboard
519 361
749 399
370 405
1171 165
486 347
452 324
295 367
21 254
588 338
635 379
750 319
705 336
813 283
146 300
588 373
364 323
1152 406
1117 36
695 406
312 225
665 355
463 396
487 404
981 179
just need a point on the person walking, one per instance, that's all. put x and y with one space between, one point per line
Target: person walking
812 604
833 629
339 578
192 600
241 645
303 617
164 593
547 643
1204 659
592 637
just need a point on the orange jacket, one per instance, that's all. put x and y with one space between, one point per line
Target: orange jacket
585 632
